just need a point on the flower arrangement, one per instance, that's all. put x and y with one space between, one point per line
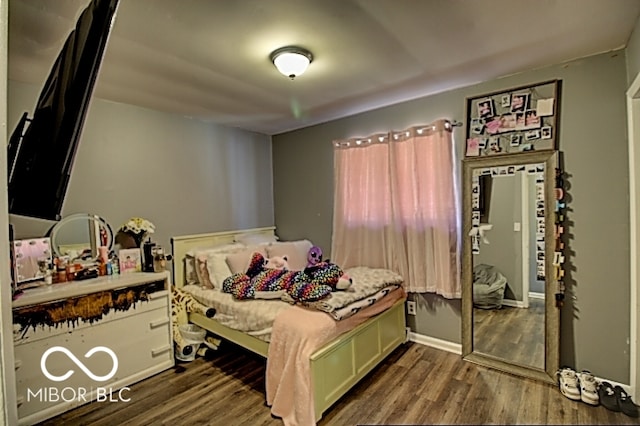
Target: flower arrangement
138 225
138 228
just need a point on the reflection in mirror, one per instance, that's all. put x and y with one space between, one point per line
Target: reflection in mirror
31 259
80 235
508 321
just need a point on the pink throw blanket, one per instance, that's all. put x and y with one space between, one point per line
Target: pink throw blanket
297 333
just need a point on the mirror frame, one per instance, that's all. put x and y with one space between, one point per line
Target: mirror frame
552 313
93 238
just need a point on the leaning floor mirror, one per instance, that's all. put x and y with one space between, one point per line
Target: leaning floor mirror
509 316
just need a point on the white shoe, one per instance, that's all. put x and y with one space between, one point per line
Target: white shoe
588 388
568 383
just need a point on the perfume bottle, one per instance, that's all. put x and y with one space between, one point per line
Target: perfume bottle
115 265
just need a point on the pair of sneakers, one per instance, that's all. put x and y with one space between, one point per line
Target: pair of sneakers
581 386
616 399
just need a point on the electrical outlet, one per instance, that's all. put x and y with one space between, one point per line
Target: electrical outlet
411 307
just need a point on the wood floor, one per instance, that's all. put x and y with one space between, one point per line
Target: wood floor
416 385
514 334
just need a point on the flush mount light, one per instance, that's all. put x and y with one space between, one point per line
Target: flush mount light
291 61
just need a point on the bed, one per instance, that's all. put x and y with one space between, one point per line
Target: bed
355 345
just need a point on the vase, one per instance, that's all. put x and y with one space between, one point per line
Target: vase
139 238
128 240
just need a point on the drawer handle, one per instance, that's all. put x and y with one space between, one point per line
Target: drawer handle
20 400
160 351
158 295
18 363
158 323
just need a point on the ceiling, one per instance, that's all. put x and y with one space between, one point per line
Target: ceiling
210 59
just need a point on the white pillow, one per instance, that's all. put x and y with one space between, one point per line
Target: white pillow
296 252
218 269
239 261
201 255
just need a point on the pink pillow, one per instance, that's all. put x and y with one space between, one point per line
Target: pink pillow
296 252
239 262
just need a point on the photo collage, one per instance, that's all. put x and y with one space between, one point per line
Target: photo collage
519 120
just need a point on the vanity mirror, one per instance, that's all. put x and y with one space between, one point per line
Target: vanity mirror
80 234
30 259
509 316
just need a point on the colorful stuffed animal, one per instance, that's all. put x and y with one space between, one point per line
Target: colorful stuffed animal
330 274
280 263
344 283
314 256
314 261
264 282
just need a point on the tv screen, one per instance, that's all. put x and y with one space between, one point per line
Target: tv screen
41 149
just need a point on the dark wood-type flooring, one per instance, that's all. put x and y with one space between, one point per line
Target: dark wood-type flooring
514 334
416 385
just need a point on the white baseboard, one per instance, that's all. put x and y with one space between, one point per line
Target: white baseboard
456 348
627 388
433 342
513 303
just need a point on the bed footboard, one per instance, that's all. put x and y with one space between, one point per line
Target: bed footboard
341 364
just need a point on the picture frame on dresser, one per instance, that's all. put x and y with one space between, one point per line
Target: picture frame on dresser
130 260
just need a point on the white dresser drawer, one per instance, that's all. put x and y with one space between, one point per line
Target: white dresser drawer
139 341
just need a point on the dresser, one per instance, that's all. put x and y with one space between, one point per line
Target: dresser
84 341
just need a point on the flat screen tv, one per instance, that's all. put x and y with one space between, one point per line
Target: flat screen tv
42 149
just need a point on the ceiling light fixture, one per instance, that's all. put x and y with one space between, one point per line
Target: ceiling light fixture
291 61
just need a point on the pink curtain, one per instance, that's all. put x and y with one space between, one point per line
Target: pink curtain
395 207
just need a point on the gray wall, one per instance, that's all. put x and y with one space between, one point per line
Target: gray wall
633 54
595 318
184 175
504 250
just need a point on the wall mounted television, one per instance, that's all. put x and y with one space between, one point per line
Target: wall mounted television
42 149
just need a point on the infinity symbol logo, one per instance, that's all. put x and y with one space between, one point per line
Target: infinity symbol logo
73 358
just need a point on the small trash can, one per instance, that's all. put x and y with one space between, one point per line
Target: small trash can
194 336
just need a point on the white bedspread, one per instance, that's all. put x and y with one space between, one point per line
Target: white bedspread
254 317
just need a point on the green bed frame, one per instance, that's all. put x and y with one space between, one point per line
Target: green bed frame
338 365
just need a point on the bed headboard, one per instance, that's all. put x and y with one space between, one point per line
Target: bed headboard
180 245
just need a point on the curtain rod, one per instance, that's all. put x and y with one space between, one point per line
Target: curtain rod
380 137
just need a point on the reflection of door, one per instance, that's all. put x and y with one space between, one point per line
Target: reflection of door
633 120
